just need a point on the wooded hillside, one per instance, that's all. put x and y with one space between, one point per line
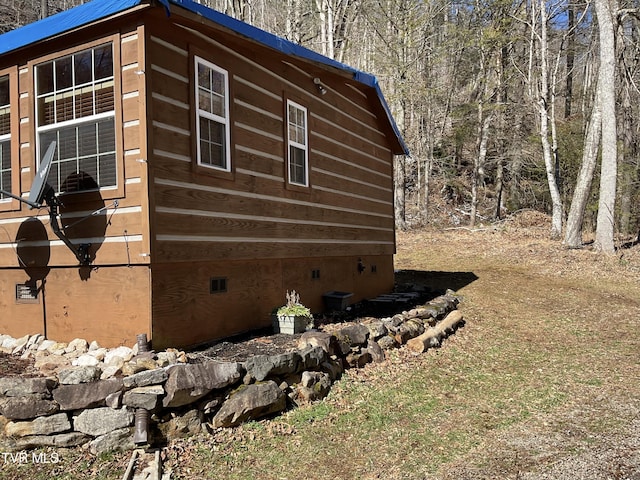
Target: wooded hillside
504 104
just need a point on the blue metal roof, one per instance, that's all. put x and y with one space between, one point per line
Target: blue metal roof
62 22
99 9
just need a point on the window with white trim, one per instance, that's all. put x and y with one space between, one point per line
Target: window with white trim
298 159
5 138
75 106
212 115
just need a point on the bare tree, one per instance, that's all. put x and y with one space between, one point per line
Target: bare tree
605 11
545 105
573 233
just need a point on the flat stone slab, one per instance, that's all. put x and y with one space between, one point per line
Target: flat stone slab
188 383
85 395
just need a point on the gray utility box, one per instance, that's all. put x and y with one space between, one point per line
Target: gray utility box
336 301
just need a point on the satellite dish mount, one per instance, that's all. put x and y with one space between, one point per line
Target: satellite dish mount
41 193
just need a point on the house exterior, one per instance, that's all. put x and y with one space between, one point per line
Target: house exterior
204 166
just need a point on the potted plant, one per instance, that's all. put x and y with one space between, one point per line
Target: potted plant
293 317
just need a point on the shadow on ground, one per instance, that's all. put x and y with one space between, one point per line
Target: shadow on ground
436 282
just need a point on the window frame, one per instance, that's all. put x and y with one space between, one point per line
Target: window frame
108 192
297 145
11 204
198 113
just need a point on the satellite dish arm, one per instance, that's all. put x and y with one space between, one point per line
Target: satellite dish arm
21 199
81 252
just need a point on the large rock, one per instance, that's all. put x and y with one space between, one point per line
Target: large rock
18 386
358 359
409 329
100 421
261 367
125 353
388 342
334 368
143 397
188 383
377 354
324 340
120 439
147 377
77 375
85 395
250 403
182 425
312 357
62 440
57 423
377 329
313 386
50 364
78 345
355 335
27 407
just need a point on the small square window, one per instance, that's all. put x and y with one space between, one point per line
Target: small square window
218 285
315 273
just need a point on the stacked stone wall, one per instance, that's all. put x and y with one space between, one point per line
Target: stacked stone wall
82 394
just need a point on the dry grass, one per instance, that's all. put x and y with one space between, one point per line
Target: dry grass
541 383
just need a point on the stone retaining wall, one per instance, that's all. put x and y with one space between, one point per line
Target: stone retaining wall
119 398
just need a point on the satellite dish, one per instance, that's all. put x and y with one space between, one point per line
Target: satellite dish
40 192
39 187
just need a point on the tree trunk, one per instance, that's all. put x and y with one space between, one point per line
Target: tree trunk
606 76
543 106
399 192
573 234
478 164
570 59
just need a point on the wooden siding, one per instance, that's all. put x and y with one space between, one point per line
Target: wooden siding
110 305
118 233
253 213
186 313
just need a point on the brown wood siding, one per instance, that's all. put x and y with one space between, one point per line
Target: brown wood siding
110 306
242 248
186 313
261 202
118 234
337 273
254 227
348 206
17 319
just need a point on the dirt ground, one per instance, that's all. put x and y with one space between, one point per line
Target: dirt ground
522 282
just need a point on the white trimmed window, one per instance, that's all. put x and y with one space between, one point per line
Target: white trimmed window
75 106
212 115
5 138
298 160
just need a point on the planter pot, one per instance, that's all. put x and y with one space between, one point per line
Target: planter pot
289 324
